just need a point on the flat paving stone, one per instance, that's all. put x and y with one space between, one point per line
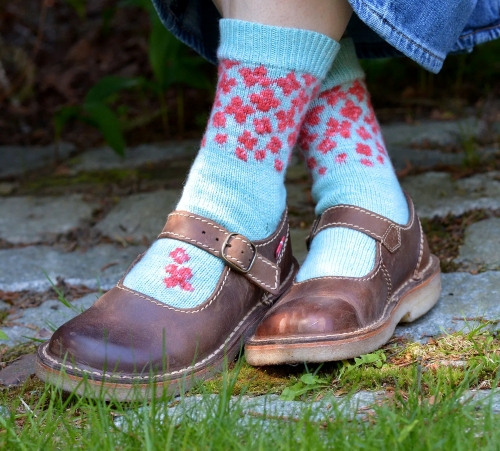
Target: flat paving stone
40 322
465 301
436 195
26 220
139 215
16 160
104 158
18 371
100 266
481 248
432 133
273 410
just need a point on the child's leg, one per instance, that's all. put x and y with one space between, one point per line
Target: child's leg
346 156
369 265
204 285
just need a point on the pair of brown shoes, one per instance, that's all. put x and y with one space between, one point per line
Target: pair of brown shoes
129 344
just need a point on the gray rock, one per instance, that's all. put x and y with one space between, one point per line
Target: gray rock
433 133
483 398
298 237
4 412
105 158
481 247
402 156
47 317
4 306
16 160
25 220
464 297
436 194
101 266
139 215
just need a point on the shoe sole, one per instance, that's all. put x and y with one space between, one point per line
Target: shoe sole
413 304
52 370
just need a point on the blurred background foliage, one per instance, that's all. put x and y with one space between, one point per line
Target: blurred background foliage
94 71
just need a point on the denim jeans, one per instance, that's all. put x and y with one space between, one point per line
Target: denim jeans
424 30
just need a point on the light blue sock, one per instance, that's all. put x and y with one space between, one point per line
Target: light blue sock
267 77
345 153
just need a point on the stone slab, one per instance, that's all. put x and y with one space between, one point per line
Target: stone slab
26 220
269 410
18 371
104 158
436 194
481 248
463 296
139 215
431 134
40 322
100 266
16 160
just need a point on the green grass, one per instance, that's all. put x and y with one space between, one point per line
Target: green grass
421 410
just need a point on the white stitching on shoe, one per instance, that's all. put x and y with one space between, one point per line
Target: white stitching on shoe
162 305
156 376
387 278
358 279
346 224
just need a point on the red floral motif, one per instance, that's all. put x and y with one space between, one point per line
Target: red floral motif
371 120
241 153
306 138
363 149
380 159
274 145
220 138
341 158
228 64
238 110
326 146
309 79
361 131
292 139
179 255
300 101
288 84
333 96
351 111
366 162
265 100
262 126
312 117
260 155
219 119
278 165
342 128
204 141
178 276
226 83
381 148
357 90
251 77
311 163
286 119
322 170
248 141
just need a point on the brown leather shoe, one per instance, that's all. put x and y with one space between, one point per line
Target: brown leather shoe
336 318
127 343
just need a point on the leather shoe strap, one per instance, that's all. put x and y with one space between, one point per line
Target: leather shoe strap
378 227
237 251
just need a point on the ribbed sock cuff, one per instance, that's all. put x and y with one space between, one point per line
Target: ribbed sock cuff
295 49
346 67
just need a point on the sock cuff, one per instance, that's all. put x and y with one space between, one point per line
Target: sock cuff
295 49
346 67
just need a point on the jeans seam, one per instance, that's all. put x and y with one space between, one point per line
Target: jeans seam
386 22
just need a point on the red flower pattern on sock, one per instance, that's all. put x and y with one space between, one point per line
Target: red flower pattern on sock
177 275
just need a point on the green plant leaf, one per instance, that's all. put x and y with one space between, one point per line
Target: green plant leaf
3 335
63 116
108 124
110 85
406 431
311 379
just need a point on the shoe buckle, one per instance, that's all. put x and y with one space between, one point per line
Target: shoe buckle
232 264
